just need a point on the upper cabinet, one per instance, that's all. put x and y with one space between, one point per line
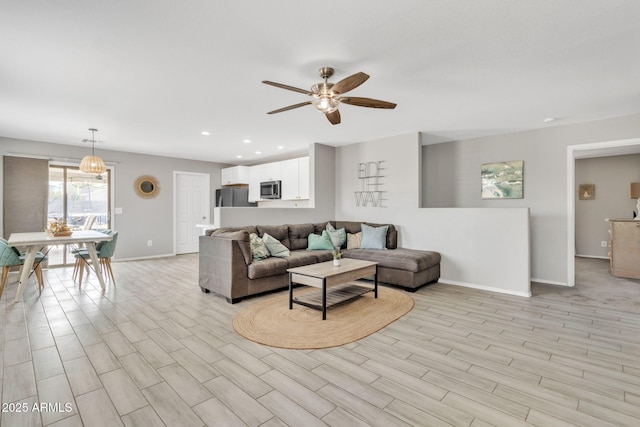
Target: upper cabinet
235 175
295 179
293 174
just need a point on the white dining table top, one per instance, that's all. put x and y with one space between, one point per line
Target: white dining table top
43 238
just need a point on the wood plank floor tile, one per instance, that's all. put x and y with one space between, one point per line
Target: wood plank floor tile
82 376
244 406
215 414
187 387
144 417
123 392
96 410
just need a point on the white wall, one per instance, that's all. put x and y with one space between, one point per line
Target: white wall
142 219
481 248
452 179
611 176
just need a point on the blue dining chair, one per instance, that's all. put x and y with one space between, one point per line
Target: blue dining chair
105 251
11 257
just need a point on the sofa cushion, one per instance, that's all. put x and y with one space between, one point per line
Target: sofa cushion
338 237
323 255
354 227
301 257
318 227
280 232
258 248
271 266
401 259
298 234
353 240
276 248
374 237
320 242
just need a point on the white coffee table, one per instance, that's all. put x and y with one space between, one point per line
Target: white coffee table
325 275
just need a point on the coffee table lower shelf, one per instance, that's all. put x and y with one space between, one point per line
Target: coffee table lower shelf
335 295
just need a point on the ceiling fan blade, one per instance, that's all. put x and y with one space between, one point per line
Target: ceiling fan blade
282 86
334 117
349 83
290 107
367 102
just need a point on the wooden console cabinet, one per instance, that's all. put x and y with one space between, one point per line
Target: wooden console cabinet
625 248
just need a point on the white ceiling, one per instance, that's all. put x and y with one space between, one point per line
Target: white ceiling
152 75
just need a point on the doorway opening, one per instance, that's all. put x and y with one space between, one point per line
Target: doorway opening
83 200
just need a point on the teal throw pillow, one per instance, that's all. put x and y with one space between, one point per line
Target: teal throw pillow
274 246
258 248
338 237
374 237
319 242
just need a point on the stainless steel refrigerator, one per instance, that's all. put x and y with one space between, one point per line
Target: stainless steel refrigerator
226 197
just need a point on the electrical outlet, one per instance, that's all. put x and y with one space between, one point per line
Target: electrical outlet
602 243
150 243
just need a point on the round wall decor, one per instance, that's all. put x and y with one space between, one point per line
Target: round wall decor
146 187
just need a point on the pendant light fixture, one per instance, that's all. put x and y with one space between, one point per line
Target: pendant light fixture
92 163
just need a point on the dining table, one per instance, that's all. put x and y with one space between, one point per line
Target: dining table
35 241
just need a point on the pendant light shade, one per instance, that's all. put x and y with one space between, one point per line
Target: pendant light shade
93 163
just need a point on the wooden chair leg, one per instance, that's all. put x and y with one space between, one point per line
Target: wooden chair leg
5 273
38 271
80 271
75 268
107 264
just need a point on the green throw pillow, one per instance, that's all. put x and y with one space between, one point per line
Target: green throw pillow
374 237
274 246
338 237
258 248
319 242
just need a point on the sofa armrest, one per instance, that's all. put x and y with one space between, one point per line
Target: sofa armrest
222 267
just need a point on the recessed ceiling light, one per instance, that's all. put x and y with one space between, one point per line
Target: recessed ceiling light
280 147
550 119
205 133
238 156
258 152
246 141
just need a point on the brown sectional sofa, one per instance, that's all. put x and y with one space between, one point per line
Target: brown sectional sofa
227 268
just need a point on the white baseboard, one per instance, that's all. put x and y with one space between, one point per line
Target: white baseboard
592 256
143 257
550 282
484 288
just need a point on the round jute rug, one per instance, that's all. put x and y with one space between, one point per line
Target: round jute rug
271 323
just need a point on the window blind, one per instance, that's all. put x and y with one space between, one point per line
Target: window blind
25 194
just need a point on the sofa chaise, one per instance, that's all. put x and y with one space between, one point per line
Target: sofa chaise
227 268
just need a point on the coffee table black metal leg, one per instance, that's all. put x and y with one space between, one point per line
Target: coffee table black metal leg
375 283
324 299
290 292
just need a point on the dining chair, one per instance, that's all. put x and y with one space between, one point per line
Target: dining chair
105 251
88 223
11 257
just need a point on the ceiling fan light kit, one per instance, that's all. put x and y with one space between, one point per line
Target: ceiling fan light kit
325 95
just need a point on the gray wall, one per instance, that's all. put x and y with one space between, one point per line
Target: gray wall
142 219
611 176
452 179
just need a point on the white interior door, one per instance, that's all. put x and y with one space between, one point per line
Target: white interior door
192 196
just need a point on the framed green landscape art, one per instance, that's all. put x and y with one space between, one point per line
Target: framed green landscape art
503 180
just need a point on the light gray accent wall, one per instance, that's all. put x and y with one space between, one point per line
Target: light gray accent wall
611 176
481 248
455 166
142 219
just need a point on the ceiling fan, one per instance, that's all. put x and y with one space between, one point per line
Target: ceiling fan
326 95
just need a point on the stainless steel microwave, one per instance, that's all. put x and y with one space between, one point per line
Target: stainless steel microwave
270 190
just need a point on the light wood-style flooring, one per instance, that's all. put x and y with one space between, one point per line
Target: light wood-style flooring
154 350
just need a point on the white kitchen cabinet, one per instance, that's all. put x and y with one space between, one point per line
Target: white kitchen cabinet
256 174
295 179
235 175
294 175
